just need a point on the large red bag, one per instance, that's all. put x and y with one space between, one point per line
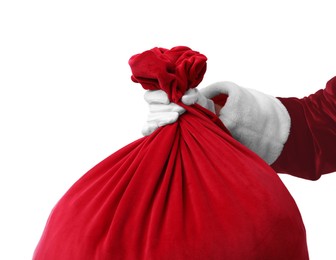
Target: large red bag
187 191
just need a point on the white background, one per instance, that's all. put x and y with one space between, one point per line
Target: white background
67 101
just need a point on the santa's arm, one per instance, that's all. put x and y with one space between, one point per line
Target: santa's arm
310 150
299 140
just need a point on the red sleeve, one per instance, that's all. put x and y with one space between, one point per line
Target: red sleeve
310 150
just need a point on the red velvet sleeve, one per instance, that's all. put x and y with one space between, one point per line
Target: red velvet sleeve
310 150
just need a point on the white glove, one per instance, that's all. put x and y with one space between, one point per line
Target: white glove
259 121
163 112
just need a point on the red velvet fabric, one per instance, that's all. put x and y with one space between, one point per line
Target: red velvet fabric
187 191
311 147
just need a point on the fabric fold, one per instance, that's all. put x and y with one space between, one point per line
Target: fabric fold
187 191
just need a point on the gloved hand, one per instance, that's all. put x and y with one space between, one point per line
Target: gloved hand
257 120
163 112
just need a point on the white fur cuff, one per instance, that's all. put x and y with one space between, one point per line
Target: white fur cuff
259 121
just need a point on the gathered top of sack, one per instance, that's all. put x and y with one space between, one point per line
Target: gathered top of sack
173 71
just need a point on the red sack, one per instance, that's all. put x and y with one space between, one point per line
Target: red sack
187 191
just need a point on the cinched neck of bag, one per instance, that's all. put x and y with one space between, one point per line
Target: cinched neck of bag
173 71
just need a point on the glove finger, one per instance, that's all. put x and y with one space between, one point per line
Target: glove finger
156 97
194 96
161 108
223 87
206 103
149 127
162 119
190 97
156 120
